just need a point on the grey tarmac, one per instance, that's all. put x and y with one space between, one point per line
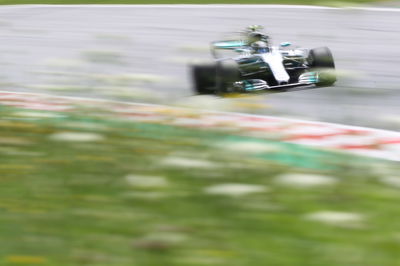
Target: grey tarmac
93 50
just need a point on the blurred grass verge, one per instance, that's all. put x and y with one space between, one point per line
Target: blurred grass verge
86 188
285 2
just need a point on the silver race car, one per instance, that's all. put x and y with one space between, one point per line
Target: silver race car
258 66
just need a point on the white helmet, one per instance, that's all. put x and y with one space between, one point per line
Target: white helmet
260 47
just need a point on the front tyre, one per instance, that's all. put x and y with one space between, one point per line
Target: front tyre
204 78
321 60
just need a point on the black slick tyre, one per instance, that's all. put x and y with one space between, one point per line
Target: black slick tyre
321 60
227 74
204 78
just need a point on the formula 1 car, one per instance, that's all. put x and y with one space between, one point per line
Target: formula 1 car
258 66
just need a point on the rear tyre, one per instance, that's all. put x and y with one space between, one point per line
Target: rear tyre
227 74
204 78
321 60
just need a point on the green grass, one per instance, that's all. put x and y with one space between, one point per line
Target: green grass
288 2
127 198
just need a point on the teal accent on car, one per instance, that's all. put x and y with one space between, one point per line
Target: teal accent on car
229 44
285 44
248 60
314 78
248 86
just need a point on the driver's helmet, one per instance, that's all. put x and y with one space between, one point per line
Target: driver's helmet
260 47
257 36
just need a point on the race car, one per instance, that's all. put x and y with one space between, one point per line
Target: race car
258 66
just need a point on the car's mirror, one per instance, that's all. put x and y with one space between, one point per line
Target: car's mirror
285 44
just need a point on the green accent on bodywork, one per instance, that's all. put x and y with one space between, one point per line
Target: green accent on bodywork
248 86
313 78
248 60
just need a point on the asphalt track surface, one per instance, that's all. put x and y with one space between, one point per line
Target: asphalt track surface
93 51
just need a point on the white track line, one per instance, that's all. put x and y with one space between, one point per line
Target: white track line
207 6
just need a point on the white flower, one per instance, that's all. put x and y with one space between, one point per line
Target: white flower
38 114
146 181
305 180
336 218
188 163
76 136
235 189
392 181
85 125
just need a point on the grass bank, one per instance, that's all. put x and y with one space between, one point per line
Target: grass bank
94 190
